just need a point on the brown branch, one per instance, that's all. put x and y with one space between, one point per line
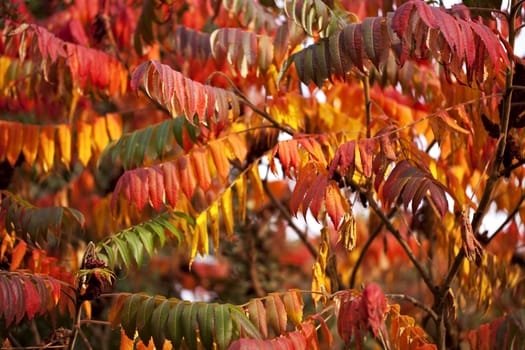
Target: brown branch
247 102
367 245
416 303
507 220
302 235
395 232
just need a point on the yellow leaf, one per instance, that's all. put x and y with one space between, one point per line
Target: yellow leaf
30 147
5 62
114 125
100 134
16 138
257 186
227 211
213 213
86 306
47 146
240 186
84 134
201 225
348 231
64 140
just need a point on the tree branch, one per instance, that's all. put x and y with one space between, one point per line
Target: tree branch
288 217
367 245
416 303
507 220
390 227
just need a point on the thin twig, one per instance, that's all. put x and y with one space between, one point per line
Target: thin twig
388 224
302 236
416 303
367 245
507 220
247 102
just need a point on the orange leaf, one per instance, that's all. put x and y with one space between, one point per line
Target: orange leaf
30 147
220 159
276 313
47 146
238 146
84 135
16 138
335 203
202 171
186 176
19 251
64 140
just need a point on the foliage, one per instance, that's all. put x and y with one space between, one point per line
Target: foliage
158 160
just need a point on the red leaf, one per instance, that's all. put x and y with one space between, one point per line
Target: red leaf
32 298
186 176
345 159
366 151
349 318
138 187
373 307
352 44
315 195
156 187
171 182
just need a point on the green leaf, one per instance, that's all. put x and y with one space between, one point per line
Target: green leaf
189 324
205 316
144 325
110 254
143 141
135 246
158 320
128 316
147 239
158 230
223 326
123 251
161 137
178 128
128 150
174 325
245 327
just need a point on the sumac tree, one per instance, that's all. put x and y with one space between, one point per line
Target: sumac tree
256 174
